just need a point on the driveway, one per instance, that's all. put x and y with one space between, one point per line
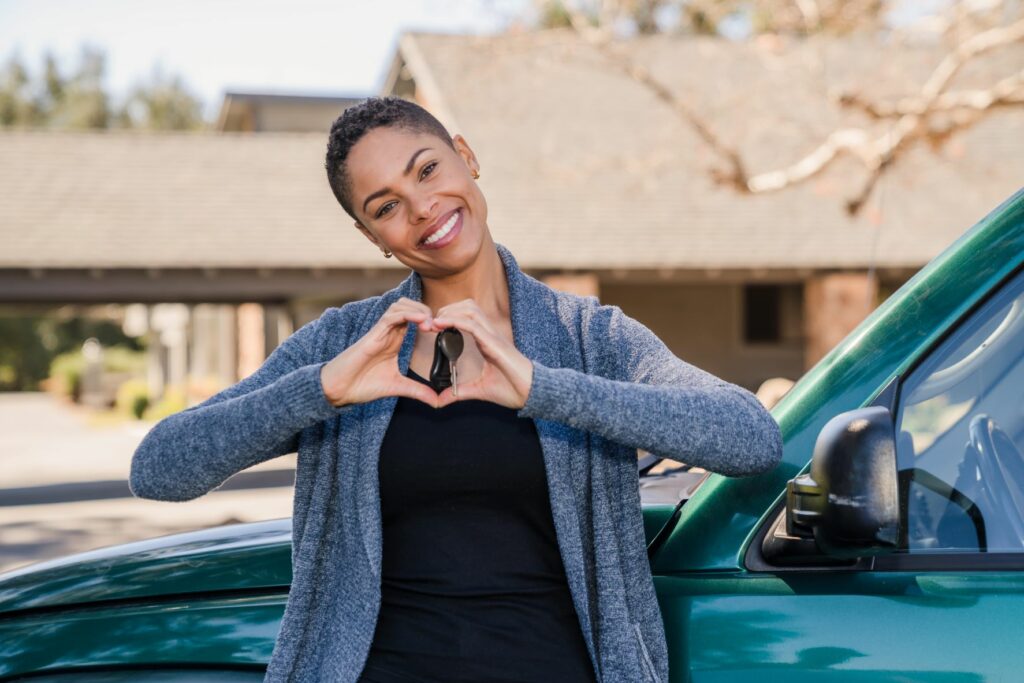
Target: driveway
63 484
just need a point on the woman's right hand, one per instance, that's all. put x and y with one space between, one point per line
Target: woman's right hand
368 369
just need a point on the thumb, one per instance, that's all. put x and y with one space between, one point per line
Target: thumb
447 397
466 392
410 388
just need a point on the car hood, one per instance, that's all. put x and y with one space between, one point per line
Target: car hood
236 557
233 557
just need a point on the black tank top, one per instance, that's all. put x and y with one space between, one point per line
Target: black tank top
473 585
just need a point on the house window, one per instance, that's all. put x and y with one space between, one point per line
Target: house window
772 313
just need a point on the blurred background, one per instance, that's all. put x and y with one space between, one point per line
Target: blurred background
748 178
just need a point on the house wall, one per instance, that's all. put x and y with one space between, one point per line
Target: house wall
297 116
703 325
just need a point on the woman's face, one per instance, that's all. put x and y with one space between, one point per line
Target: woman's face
416 197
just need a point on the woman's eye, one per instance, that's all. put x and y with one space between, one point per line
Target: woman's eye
427 170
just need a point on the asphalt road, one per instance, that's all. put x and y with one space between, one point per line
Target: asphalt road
64 489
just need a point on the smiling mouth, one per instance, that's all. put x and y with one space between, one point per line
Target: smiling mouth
441 232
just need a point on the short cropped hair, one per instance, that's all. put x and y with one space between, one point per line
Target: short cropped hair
361 118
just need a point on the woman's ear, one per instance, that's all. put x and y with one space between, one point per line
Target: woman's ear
369 235
464 150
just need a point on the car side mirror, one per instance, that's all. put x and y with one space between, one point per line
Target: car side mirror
849 501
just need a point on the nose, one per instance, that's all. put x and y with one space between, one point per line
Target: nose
424 206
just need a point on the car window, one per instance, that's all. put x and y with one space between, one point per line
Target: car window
960 435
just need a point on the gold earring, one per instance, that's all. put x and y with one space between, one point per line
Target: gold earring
387 254
476 174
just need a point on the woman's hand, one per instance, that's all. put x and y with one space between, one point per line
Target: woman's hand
368 369
507 374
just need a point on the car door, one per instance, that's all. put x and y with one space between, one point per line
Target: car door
948 605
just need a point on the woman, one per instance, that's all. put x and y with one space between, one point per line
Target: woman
490 535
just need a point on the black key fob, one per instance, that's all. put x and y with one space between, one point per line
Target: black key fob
440 369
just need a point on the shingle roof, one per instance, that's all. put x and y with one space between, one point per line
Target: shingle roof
133 199
581 168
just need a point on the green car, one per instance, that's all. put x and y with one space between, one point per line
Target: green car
887 546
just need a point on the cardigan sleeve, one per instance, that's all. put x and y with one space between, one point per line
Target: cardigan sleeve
642 395
194 451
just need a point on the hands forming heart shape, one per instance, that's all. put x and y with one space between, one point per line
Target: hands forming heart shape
368 369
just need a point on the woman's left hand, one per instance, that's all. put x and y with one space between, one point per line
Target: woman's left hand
507 374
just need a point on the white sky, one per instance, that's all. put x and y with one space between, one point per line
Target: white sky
293 47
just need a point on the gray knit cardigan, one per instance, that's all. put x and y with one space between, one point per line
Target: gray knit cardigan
603 385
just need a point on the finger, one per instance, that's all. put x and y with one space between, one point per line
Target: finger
408 304
392 319
472 390
459 317
426 325
406 301
490 345
466 392
468 307
446 397
461 302
410 388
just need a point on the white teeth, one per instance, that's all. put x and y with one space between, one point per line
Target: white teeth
445 229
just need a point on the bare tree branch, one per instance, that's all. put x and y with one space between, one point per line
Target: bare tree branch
1009 90
601 39
811 14
962 53
911 117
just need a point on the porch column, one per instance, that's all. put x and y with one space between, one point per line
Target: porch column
251 339
834 304
227 345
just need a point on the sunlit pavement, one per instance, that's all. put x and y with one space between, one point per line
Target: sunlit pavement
32 533
45 445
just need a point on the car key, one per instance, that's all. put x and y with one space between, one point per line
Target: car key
440 368
451 343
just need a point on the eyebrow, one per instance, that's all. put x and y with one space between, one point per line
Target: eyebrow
408 167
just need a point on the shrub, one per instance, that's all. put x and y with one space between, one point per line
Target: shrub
133 398
173 401
66 369
121 359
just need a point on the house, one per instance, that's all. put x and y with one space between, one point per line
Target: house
265 112
226 241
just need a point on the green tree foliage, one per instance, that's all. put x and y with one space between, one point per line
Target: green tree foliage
30 340
16 103
23 361
164 103
78 100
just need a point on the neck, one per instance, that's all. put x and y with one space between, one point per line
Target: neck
484 281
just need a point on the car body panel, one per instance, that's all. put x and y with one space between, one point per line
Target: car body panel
217 594
231 557
718 521
229 631
146 675
235 557
841 627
